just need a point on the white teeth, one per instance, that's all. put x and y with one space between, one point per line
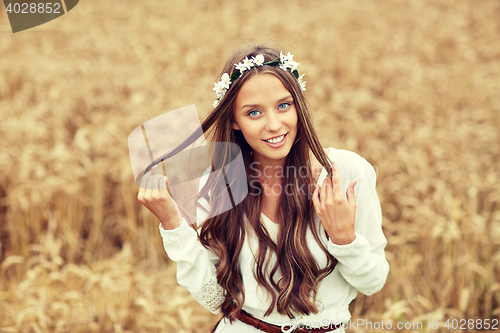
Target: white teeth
276 140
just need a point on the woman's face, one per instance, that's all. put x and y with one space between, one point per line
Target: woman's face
264 111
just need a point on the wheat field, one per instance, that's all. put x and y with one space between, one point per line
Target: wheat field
412 86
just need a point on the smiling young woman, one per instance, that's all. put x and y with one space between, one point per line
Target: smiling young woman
297 248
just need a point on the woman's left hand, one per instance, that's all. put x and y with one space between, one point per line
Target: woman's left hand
335 213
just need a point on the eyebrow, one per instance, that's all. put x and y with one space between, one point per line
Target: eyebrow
256 105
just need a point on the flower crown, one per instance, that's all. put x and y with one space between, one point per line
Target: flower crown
284 62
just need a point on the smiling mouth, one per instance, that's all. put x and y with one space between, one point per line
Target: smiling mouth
276 139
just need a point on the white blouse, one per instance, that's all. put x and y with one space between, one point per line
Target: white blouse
361 264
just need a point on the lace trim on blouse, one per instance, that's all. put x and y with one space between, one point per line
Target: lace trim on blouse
211 295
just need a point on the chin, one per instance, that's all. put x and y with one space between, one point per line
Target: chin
277 154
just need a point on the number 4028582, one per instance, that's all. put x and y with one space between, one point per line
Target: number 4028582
27 8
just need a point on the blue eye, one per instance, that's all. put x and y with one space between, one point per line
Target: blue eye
283 106
253 113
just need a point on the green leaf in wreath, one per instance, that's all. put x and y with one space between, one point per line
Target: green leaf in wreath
272 63
236 74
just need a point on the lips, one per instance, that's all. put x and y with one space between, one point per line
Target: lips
274 138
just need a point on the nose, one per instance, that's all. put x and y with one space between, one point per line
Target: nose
273 122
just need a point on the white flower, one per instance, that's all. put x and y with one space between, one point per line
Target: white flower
302 84
286 58
222 86
258 59
286 61
221 92
216 102
239 66
225 80
220 89
216 88
282 57
247 63
293 65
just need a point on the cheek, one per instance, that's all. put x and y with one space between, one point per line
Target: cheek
248 130
251 134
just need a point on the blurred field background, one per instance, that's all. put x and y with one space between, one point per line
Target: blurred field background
412 86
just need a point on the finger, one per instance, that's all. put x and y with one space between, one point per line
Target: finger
315 197
145 177
153 182
323 192
337 187
150 183
328 189
162 184
350 192
142 184
159 180
152 192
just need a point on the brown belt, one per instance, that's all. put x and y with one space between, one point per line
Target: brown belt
248 319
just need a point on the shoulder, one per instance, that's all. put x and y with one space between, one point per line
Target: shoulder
350 162
345 156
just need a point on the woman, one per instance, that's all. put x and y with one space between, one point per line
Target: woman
295 252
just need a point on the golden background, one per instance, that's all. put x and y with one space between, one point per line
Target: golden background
412 86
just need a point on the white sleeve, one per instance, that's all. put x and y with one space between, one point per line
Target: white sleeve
195 264
362 263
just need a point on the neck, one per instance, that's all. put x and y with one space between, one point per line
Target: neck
271 171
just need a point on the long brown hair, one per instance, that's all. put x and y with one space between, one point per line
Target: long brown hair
224 233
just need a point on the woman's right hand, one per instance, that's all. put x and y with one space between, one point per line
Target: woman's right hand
154 196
